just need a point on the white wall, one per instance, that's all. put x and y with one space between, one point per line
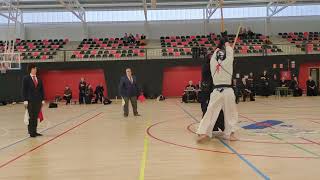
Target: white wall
4 30
154 30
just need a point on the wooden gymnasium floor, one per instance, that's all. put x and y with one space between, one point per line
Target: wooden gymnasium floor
94 142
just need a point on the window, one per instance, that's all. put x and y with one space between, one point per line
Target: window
181 14
113 16
49 17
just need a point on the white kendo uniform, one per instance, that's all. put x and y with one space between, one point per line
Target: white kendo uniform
221 98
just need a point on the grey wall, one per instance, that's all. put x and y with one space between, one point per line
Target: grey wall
156 29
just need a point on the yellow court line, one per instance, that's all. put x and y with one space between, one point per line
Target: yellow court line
145 152
144 157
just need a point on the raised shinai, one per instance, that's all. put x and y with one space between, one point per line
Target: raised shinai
222 97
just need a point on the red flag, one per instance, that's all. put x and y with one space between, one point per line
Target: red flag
40 116
141 98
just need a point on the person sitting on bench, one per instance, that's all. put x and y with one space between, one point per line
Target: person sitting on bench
189 93
67 95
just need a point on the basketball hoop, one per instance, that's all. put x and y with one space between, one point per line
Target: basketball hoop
4 66
9 61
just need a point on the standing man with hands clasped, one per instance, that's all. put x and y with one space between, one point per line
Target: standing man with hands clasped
128 89
33 96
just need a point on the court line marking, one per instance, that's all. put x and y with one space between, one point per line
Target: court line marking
252 141
144 156
276 137
313 142
46 142
6 132
217 151
294 145
145 150
67 120
253 167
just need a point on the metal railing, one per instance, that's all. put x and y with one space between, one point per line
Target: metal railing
156 53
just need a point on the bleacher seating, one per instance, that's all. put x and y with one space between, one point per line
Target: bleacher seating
181 45
306 41
108 48
36 49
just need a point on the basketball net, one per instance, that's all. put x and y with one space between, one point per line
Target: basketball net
9 59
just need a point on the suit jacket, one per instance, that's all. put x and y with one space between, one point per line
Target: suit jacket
31 93
128 89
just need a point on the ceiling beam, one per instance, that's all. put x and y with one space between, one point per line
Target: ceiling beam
211 8
75 7
144 3
10 11
276 6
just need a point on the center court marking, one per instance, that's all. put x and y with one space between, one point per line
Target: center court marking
46 142
254 168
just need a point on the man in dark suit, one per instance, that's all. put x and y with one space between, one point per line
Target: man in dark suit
82 91
33 95
128 89
311 87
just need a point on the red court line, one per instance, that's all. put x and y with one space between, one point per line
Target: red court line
46 142
252 141
313 142
216 151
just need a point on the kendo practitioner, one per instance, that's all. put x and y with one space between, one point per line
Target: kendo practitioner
206 87
297 91
222 97
311 87
264 84
99 93
252 85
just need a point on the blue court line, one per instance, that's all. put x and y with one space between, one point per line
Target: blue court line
26 138
253 167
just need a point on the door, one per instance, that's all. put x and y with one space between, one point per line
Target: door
315 74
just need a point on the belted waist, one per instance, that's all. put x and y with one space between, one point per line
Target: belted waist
222 86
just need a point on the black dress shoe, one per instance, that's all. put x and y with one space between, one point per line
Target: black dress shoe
33 135
38 134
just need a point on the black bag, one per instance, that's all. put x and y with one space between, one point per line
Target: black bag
53 105
107 101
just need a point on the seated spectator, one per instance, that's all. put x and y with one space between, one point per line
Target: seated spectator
189 93
132 40
99 93
67 95
311 87
89 94
250 33
297 91
267 41
283 82
143 37
126 38
245 90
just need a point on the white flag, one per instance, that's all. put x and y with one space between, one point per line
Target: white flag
123 102
26 117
